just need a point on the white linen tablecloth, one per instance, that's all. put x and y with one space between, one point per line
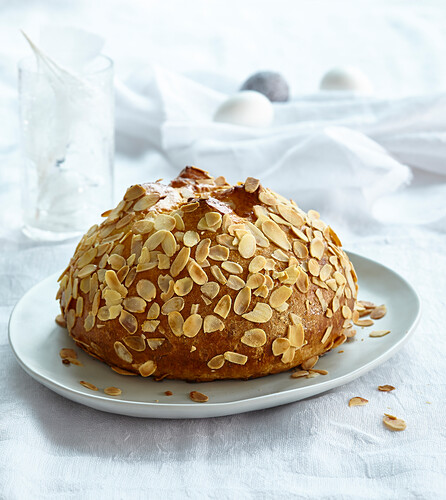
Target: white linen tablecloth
316 448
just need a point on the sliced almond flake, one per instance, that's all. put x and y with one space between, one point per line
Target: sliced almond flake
88 323
302 282
111 297
104 313
80 306
68 353
173 304
114 311
219 253
147 368
180 261
235 357
280 255
135 342
280 345
212 324
269 282
143 226
210 289
267 197
146 202
164 221
242 301
86 271
112 391
296 335
128 321
255 337
226 240
300 249
155 343
257 264
364 322
202 250
261 313
122 352
279 296
190 207
276 235
213 219
223 306
235 282
60 320
288 355
192 325
134 192
206 300
111 279
313 267
146 289
309 363
299 374
134 304
183 286
92 387
216 362
179 223
379 333
150 326
176 322
325 272
247 246
358 401
255 281
154 311
251 184
218 275
378 312
386 388
290 215
327 334
165 296
393 423
87 257
319 372
155 239
232 267
300 234
317 248
95 303
319 283
340 278
85 284
196 272
163 261
191 238
169 244
260 238
136 245
346 312
198 397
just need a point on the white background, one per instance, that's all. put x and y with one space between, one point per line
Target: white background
318 448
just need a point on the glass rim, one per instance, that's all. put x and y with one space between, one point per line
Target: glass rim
108 66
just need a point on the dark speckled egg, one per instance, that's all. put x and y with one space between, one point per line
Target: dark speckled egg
272 85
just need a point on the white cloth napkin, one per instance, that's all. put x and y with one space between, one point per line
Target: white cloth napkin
337 150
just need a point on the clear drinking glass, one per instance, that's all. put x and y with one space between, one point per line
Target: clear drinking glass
67 142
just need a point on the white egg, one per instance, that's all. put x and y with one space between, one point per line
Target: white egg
346 78
247 108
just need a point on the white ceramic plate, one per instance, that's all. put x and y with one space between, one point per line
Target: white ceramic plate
36 341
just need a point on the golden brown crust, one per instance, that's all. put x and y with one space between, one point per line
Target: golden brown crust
200 280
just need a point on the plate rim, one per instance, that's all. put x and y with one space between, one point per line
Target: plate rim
255 403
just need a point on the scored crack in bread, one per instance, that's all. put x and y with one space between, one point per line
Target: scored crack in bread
200 280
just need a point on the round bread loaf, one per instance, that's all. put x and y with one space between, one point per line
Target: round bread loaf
200 280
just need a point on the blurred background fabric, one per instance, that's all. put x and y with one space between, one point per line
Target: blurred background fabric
176 60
